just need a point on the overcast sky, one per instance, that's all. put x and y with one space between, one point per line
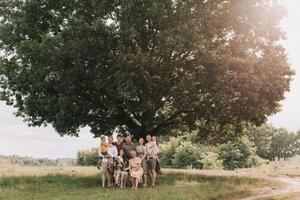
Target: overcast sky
290 114
17 138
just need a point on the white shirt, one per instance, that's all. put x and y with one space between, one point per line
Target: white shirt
111 151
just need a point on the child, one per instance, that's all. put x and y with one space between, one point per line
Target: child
110 166
119 167
102 149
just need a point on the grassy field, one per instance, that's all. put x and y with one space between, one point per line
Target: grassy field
72 183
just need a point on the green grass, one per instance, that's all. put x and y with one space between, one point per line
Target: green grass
175 186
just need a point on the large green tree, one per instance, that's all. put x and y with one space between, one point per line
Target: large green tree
147 66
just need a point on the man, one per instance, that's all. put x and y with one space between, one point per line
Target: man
157 169
107 162
127 147
152 151
118 143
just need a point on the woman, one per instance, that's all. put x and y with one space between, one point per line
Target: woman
142 153
152 151
102 150
135 168
107 160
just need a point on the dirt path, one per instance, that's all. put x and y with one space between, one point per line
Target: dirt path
291 184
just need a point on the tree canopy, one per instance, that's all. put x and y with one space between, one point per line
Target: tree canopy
145 66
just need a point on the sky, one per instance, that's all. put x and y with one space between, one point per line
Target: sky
16 138
290 114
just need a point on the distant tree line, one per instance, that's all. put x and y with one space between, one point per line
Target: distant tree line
30 161
274 144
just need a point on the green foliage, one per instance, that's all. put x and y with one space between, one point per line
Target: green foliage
182 152
272 143
187 155
261 137
238 154
168 151
210 160
146 66
87 157
284 145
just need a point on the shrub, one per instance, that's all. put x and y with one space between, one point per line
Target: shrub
238 154
255 160
187 155
87 157
210 161
168 151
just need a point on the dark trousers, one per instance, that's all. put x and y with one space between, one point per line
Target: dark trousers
157 168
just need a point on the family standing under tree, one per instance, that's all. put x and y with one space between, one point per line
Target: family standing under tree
121 161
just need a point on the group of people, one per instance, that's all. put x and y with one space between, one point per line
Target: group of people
121 161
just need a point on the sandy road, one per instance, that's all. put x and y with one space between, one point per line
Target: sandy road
291 184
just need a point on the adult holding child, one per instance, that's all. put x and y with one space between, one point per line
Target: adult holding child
152 150
102 149
141 151
157 167
107 162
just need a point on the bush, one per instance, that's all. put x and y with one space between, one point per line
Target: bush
255 160
210 161
87 157
187 155
239 154
168 151
181 152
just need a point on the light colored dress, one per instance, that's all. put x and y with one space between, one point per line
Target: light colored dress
141 152
136 170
